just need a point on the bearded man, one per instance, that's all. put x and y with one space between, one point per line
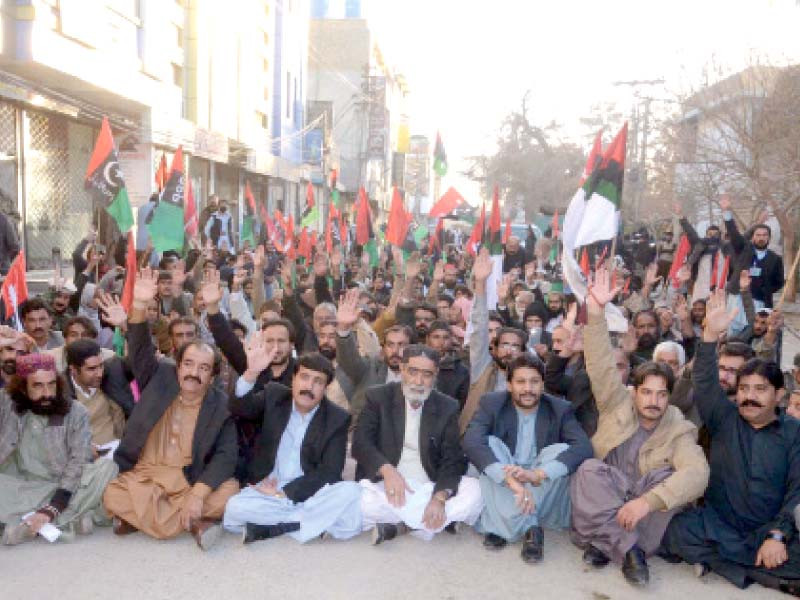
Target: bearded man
410 463
524 443
46 469
178 455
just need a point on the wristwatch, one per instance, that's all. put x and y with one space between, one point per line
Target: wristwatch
777 536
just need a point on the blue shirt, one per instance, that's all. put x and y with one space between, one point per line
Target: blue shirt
287 462
525 452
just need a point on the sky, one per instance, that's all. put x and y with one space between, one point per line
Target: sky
469 62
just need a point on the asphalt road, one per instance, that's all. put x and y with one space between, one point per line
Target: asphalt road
105 567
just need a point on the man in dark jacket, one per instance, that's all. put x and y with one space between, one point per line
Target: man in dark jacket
295 475
453 378
524 443
753 253
410 463
178 454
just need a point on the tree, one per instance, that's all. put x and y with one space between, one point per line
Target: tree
741 136
531 165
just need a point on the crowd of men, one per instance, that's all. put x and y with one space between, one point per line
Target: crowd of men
237 387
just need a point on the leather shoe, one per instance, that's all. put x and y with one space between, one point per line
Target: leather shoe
205 532
384 532
494 542
634 567
254 533
122 527
593 557
533 545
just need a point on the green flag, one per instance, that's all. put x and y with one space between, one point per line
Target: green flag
166 225
104 179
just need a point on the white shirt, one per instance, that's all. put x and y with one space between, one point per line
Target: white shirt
410 464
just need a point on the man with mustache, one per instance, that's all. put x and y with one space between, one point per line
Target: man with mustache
647 463
13 344
295 478
524 443
410 464
753 254
46 469
488 360
648 333
745 531
37 323
178 454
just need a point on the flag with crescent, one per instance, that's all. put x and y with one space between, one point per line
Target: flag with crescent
104 179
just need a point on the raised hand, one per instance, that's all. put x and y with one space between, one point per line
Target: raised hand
258 357
651 277
112 310
413 267
684 274
600 291
503 288
286 276
211 291
483 266
718 317
744 280
145 287
336 258
725 202
259 257
681 309
321 264
348 312
238 279
438 271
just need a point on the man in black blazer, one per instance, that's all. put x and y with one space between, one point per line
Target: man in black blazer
525 443
410 463
181 477
295 475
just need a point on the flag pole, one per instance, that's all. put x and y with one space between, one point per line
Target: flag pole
97 241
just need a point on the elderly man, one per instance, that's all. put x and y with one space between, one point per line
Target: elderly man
671 354
46 471
647 463
746 530
514 255
524 443
295 476
178 455
409 460
488 361
13 344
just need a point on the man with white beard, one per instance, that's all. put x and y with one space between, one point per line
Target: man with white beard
410 463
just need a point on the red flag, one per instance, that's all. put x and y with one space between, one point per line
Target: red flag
15 287
507 232
262 212
585 268
595 155
309 197
477 233
290 249
363 219
304 245
342 231
329 232
435 243
248 195
554 227
189 211
397 227
130 274
681 254
447 203
161 173
494 219
719 275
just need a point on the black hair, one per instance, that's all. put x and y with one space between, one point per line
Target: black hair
201 345
523 337
495 316
30 305
17 390
526 360
183 321
439 325
164 275
280 323
404 329
426 307
414 350
739 349
446 298
653 369
314 361
85 322
78 351
763 226
767 369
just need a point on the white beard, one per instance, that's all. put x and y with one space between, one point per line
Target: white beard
416 393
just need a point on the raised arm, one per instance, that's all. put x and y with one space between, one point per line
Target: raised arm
224 336
737 239
479 357
141 350
607 386
353 364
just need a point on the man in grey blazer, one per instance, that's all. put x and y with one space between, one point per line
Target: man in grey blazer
524 443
